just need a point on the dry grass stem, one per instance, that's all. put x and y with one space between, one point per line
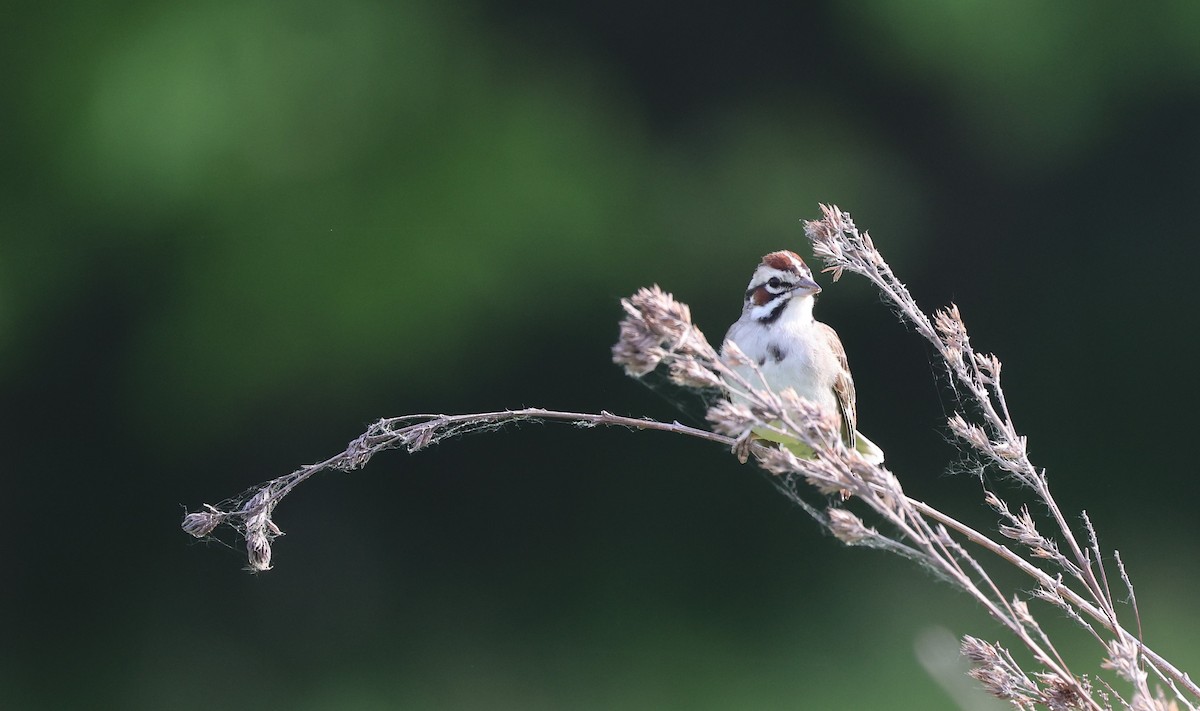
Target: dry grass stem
1065 564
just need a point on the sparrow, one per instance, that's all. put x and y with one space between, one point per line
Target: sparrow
794 350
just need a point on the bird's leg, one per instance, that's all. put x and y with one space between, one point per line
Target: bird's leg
741 446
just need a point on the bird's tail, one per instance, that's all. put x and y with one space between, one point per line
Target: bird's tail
868 449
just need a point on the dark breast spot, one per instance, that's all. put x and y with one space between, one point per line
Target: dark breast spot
776 352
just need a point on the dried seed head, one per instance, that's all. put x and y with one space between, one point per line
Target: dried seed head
778 460
733 354
839 243
1000 682
257 505
731 419
1158 702
829 238
1059 694
636 350
259 529
817 427
953 332
977 651
830 477
202 523
258 550
655 327
1000 676
1048 592
847 527
1011 450
1124 659
971 433
690 373
989 365
1023 529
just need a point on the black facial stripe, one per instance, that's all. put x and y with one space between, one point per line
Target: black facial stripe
775 312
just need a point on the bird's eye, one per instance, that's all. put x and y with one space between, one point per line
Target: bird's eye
774 282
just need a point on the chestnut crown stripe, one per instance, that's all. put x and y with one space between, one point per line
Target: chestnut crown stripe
786 261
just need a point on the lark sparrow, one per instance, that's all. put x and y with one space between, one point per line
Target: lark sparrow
792 349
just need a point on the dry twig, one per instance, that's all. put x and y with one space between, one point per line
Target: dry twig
657 332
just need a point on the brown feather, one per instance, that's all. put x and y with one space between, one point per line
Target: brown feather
785 261
843 384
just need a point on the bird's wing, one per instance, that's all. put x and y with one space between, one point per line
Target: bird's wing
843 384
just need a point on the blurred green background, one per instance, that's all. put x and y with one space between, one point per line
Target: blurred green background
233 234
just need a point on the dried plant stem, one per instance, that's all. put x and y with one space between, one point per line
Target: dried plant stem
249 513
844 248
1046 581
657 332
415 432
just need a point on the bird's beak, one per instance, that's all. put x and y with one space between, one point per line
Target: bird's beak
807 285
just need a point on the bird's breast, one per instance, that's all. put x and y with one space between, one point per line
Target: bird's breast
788 358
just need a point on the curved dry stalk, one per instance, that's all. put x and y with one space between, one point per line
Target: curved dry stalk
249 513
657 332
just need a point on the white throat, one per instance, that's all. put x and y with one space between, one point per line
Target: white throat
794 311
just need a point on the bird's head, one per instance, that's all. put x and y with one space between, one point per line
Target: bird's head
780 277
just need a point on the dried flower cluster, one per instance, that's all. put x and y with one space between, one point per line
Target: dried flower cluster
658 328
657 332
1079 586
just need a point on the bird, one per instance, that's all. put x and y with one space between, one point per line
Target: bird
777 331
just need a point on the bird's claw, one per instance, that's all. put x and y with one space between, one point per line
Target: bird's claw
741 446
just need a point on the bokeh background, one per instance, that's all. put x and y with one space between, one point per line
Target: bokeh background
233 234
